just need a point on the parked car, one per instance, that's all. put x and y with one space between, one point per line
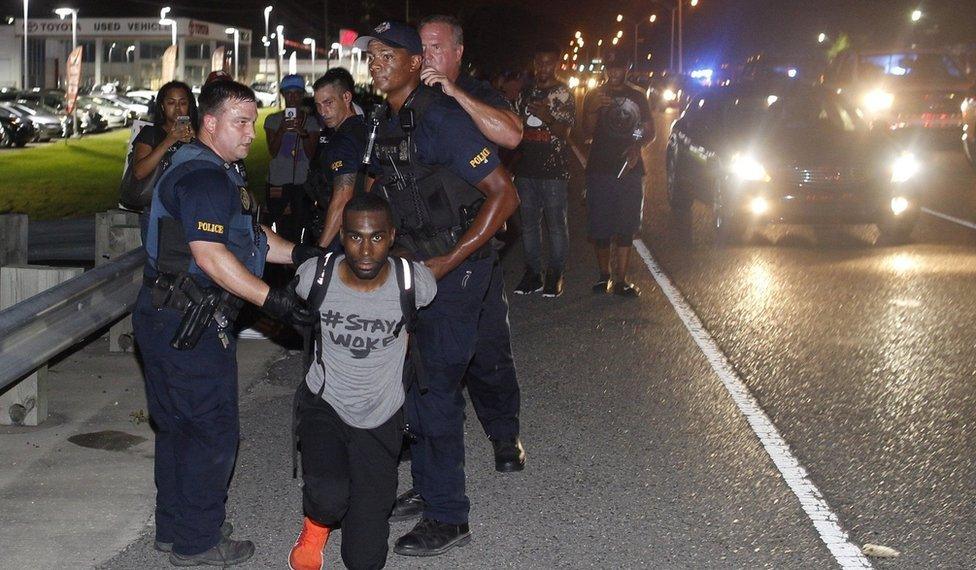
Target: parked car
793 154
671 91
47 125
968 108
138 109
907 91
114 115
14 131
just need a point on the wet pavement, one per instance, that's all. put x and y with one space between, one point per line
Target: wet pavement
860 355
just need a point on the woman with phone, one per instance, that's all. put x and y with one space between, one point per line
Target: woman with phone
174 124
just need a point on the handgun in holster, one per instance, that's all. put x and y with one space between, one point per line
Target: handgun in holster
206 305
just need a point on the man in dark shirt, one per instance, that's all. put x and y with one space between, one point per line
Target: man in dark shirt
549 112
443 41
449 195
616 117
342 144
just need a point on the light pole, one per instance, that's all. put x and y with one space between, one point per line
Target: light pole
265 40
64 13
311 41
281 51
237 46
26 2
164 21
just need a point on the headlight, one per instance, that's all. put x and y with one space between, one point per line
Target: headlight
669 95
878 101
591 83
748 169
573 82
904 168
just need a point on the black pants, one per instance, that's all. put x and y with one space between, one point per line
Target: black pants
350 477
192 399
290 211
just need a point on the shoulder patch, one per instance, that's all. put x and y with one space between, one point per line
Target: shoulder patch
480 158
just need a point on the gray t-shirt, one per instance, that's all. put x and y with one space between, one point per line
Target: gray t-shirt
290 166
363 361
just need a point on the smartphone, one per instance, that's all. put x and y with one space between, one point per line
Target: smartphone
291 113
183 121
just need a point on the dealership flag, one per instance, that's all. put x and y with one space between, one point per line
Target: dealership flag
217 59
74 77
169 64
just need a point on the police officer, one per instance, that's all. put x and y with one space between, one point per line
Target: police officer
495 397
336 168
205 255
449 196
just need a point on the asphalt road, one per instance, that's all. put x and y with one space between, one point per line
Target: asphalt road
860 356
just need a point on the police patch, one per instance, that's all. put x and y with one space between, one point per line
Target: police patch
245 199
480 158
210 227
336 165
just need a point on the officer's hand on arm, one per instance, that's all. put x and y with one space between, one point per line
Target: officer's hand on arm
285 305
281 250
501 200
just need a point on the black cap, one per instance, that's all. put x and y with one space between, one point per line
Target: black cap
394 34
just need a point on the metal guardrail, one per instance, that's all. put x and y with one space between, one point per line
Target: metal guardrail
61 240
37 329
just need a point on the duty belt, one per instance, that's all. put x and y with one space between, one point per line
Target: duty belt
169 291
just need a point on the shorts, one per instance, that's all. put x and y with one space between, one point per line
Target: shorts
615 207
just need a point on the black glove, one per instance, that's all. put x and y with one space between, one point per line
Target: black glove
284 304
302 253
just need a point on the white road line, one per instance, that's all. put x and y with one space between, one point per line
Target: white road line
953 219
847 554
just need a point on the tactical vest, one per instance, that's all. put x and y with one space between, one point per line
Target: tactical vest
432 206
167 250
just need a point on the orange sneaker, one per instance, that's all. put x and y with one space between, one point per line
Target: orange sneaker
307 552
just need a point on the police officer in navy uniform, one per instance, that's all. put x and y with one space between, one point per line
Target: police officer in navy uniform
449 195
204 243
336 170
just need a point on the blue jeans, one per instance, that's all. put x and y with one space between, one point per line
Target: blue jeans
543 196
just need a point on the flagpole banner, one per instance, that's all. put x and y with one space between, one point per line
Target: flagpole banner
74 78
217 59
169 64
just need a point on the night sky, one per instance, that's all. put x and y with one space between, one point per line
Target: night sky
500 33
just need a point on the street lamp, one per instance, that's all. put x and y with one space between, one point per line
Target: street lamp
620 17
237 46
26 2
916 15
64 13
821 38
265 40
311 42
280 30
128 51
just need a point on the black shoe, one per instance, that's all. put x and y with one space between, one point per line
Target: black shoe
431 538
625 289
531 283
509 455
227 553
554 284
603 286
226 530
408 505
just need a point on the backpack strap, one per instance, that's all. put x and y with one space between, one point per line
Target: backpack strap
311 343
413 368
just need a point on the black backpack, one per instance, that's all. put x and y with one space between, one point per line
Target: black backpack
413 368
